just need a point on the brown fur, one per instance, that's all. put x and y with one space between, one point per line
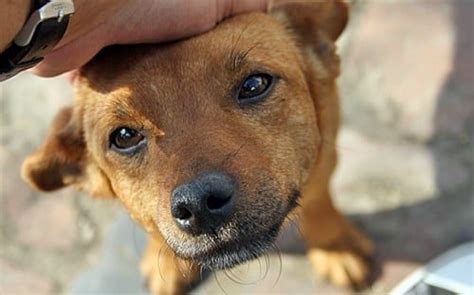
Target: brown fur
181 96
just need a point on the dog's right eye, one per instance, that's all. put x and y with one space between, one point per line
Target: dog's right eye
126 140
255 88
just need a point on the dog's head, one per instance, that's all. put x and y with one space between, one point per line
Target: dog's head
207 140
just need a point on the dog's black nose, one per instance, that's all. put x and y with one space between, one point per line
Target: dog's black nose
203 204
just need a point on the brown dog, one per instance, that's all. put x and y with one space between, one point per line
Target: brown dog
212 141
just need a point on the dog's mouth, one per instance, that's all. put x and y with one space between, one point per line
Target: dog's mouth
227 249
228 254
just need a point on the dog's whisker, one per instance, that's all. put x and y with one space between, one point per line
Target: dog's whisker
260 266
229 274
192 266
267 265
162 249
219 283
201 270
293 223
280 264
233 277
235 60
261 273
178 265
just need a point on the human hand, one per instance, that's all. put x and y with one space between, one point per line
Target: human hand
97 24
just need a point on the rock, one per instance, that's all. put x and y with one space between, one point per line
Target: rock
50 223
374 175
14 280
395 62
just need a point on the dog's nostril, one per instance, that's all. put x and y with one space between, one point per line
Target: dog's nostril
203 204
183 213
215 203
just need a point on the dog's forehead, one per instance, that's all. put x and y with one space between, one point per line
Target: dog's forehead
255 42
190 75
256 36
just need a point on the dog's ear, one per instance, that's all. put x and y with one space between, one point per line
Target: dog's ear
317 25
63 160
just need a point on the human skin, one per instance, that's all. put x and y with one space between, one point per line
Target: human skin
97 24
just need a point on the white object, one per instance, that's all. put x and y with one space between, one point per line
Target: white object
452 272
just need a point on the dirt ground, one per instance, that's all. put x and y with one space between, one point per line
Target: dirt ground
406 173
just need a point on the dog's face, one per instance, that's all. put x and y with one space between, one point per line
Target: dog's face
208 140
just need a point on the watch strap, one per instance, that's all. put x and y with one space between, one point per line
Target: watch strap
45 37
39 3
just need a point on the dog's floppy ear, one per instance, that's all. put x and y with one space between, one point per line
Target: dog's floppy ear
63 160
317 24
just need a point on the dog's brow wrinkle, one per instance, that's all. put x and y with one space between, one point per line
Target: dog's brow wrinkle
239 59
234 61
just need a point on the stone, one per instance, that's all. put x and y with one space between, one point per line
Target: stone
374 175
15 280
395 62
50 223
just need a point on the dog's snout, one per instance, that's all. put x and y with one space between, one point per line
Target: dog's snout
203 204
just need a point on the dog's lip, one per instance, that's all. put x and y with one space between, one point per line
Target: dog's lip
227 254
231 253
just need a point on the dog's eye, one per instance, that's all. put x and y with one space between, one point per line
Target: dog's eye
255 88
126 140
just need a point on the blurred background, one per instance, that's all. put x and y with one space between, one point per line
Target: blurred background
405 176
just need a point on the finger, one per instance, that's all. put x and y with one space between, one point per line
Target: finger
71 56
240 6
234 7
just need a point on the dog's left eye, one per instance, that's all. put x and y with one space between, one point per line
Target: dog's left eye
255 88
126 140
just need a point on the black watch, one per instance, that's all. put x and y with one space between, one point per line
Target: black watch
41 32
